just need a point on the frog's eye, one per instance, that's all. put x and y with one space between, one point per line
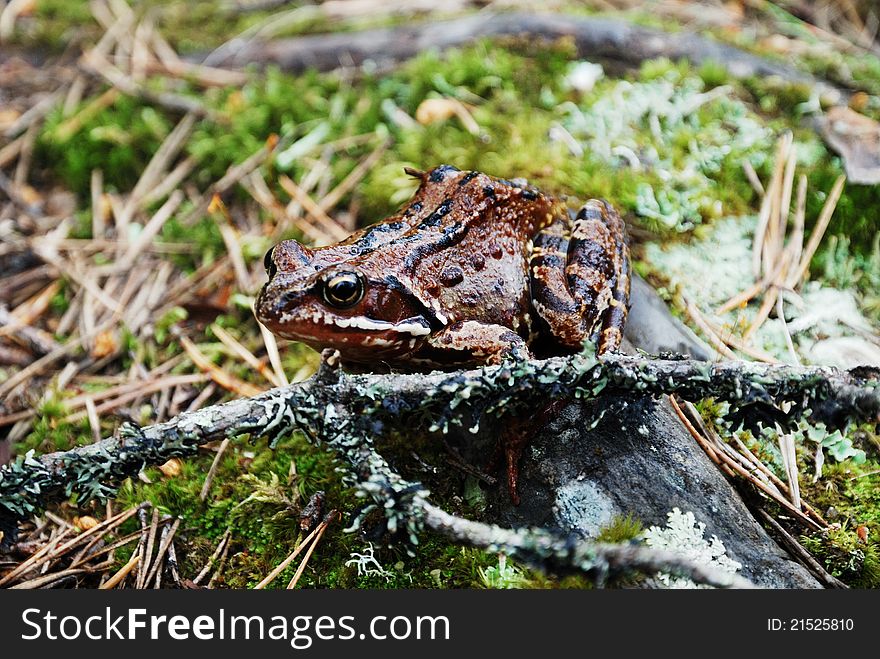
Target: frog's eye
343 289
269 263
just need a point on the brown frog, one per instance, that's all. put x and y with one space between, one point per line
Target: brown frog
475 269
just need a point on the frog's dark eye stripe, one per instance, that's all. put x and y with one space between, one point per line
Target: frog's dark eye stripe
269 263
343 289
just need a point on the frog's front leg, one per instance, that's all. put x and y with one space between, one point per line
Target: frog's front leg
579 274
470 341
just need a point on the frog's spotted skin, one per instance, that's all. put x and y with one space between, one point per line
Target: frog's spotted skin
472 269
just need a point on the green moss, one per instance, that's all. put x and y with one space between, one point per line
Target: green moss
51 432
622 528
102 143
846 556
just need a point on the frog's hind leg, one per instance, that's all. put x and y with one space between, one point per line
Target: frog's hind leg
580 278
598 271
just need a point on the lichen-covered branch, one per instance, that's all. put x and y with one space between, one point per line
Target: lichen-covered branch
551 551
346 412
339 409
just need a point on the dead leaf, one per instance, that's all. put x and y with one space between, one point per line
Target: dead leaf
171 468
8 116
857 139
105 344
432 110
85 522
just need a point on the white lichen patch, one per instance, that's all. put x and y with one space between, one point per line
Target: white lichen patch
368 565
712 269
826 325
684 535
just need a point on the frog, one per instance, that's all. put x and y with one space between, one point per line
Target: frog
473 270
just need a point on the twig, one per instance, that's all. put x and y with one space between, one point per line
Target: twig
593 37
540 547
206 486
224 540
802 554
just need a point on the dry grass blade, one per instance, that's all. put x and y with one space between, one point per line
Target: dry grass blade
768 205
697 318
51 551
313 210
107 550
48 579
94 62
123 572
354 177
217 374
737 344
322 527
212 561
232 241
233 344
147 551
818 231
789 460
164 543
802 554
35 560
274 356
746 466
151 230
206 486
74 124
221 563
706 446
287 561
129 392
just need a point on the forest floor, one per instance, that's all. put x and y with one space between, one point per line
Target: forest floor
139 192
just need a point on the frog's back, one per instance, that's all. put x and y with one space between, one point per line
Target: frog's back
464 244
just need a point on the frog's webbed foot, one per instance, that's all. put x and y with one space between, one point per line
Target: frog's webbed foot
473 341
580 277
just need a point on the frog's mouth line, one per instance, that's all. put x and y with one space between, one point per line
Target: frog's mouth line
412 327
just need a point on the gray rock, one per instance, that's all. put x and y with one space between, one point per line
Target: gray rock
639 460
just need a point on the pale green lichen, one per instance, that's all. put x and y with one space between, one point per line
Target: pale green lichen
504 576
684 535
657 126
